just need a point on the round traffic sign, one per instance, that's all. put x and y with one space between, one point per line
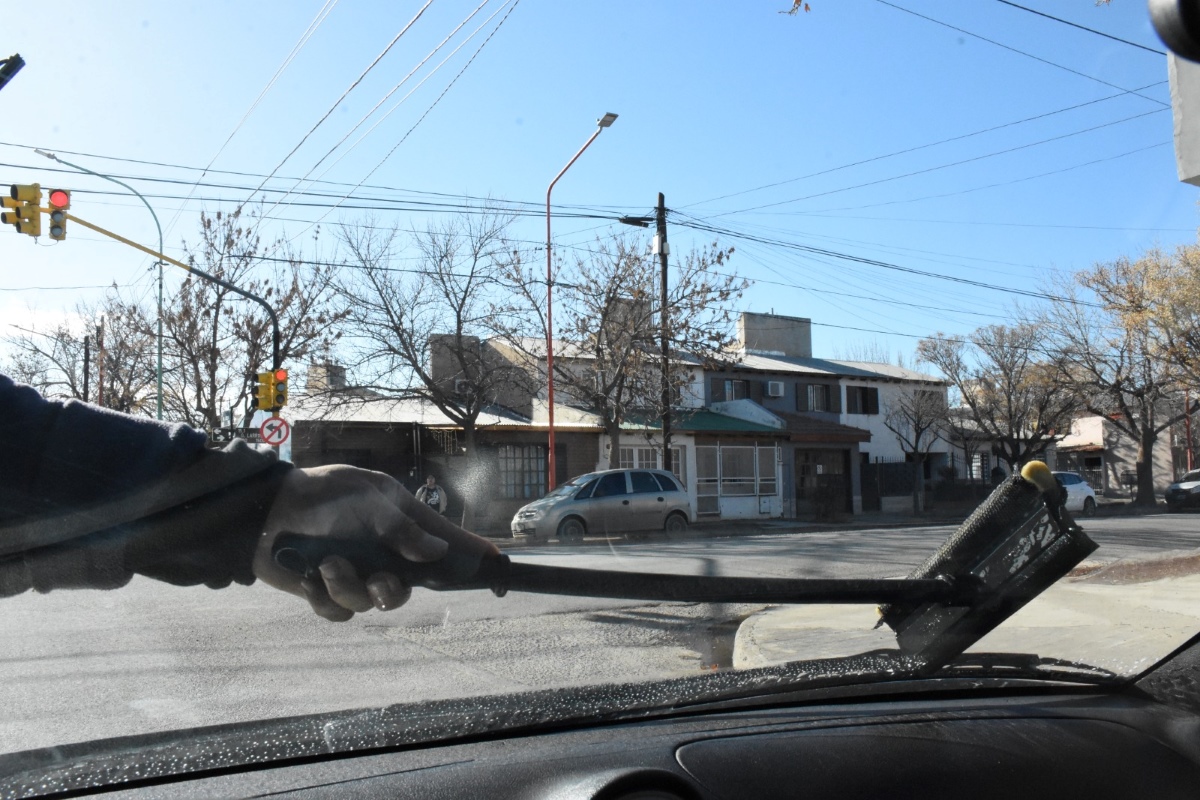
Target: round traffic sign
275 431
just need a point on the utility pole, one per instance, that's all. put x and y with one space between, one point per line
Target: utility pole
663 250
87 364
100 363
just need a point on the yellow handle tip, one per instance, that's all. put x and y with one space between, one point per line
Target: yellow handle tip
1037 473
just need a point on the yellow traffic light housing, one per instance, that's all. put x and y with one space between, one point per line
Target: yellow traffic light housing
12 217
26 216
270 394
264 393
281 388
60 203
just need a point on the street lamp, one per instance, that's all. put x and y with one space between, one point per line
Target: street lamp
601 124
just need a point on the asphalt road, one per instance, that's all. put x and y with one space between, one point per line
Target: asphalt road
83 665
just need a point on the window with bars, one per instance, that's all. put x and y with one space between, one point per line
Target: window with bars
708 480
767 458
737 471
522 471
734 471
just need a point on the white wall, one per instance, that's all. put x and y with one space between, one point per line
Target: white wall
884 443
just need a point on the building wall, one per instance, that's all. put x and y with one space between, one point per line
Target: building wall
1120 459
884 446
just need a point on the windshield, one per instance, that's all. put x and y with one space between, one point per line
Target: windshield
295 297
570 486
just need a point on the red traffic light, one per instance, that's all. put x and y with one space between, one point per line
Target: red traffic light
281 374
60 198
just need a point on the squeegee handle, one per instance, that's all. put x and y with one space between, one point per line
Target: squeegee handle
460 570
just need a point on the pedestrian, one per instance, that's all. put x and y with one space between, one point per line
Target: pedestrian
432 495
90 497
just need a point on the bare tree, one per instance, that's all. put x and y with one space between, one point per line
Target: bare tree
424 332
121 371
1114 355
215 338
916 414
609 321
1011 391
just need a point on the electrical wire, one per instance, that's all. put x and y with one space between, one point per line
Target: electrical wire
939 167
1082 27
1017 51
927 145
1091 163
345 94
383 100
296 48
432 105
687 223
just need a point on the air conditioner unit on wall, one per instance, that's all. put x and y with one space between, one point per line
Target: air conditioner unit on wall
774 388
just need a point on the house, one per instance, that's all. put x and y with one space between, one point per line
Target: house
1106 457
832 412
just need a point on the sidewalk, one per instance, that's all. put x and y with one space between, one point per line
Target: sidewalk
1122 617
727 528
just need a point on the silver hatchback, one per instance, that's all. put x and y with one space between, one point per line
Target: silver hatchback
607 503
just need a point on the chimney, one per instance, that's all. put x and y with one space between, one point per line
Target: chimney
774 335
326 377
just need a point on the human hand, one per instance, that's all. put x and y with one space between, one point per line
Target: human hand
340 501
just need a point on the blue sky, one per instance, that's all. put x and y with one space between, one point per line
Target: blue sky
716 100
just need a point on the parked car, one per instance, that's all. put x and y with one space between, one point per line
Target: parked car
1081 497
615 501
1185 492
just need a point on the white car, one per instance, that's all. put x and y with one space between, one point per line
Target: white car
1080 496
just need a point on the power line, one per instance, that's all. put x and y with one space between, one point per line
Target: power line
928 145
1082 27
1016 50
296 48
1091 163
346 93
432 105
1003 224
697 225
58 288
383 100
941 166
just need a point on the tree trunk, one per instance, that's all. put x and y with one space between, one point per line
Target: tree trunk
918 482
613 429
1145 469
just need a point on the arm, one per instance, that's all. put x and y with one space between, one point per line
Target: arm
90 497
151 499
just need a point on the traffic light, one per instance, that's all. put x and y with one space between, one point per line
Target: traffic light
281 388
271 392
25 200
60 203
264 393
12 217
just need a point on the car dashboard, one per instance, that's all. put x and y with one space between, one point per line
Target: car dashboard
936 739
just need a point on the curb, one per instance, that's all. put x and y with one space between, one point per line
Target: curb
1112 614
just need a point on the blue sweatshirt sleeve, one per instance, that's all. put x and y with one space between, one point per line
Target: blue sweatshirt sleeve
69 454
59 458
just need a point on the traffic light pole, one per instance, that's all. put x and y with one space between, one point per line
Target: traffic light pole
198 273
